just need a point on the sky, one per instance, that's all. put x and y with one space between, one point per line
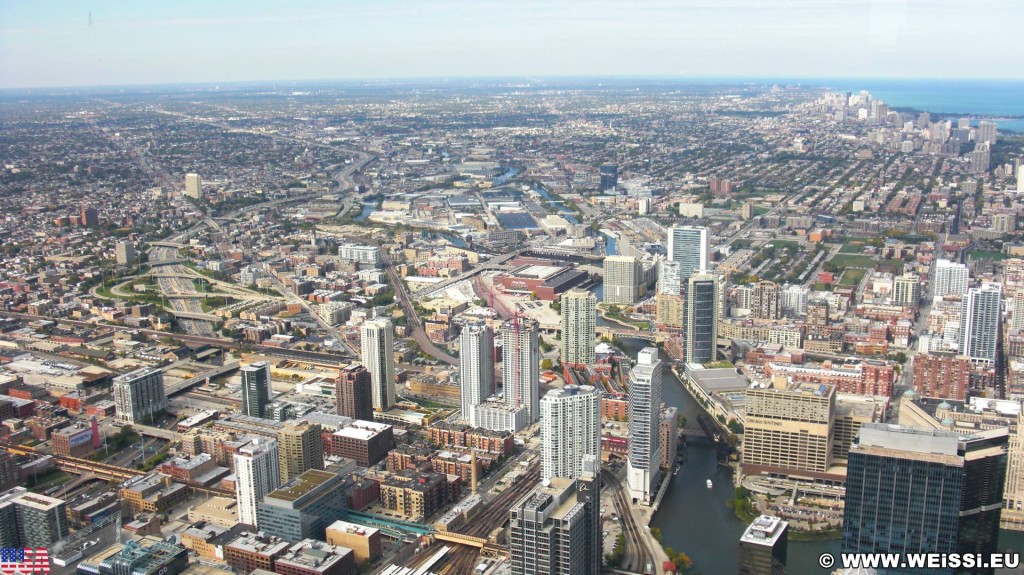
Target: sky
50 43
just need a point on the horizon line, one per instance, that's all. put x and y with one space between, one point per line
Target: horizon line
760 79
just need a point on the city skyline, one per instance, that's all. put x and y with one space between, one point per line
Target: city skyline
64 44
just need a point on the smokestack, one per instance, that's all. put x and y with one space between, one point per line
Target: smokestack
95 433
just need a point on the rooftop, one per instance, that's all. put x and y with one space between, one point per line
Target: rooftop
765 530
303 485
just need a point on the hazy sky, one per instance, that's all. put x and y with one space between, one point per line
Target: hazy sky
103 42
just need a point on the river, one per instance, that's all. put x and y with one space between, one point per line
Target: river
698 522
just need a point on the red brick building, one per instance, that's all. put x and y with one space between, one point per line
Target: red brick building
942 375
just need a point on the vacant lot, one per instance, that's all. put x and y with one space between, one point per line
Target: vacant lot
852 277
851 248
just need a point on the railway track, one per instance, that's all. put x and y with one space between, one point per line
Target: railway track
640 556
496 513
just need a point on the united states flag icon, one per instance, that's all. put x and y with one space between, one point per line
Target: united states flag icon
24 560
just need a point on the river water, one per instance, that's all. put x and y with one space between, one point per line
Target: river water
697 521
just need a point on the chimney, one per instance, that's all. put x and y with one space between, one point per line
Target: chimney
473 472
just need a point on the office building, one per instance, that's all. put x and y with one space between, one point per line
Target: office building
906 290
377 345
688 245
623 278
139 395
365 542
137 558
701 319
89 218
193 186
979 322
570 420
556 529
365 442
609 177
313 557
353 392
924 491
31 519
763 547
257 473
304 507
299 449
476 368
579 324
124 253
789 431
520 356
256 390
644 422
764 301
951 278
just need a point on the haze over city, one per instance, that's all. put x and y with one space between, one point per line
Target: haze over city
70 43
531 288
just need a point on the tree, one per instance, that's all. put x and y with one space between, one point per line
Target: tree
547 363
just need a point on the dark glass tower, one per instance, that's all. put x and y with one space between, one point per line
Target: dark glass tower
256 392
913 490
763 547
609 177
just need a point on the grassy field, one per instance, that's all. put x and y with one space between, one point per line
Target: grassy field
851 248
852 277
853 261
980 255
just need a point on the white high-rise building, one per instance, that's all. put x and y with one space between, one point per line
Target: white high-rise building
1020 178
476 368
378 355
622 279
257 473
670 279
520 355
794 299
644 422
951 278
688 245
570 420
987 132
579 325
124 253
979 322
193 186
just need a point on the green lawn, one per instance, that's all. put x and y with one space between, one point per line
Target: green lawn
982 255
852 277
851 248
853 261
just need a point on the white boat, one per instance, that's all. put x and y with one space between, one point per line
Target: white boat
676 472
709 484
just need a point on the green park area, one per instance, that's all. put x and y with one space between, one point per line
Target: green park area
843 261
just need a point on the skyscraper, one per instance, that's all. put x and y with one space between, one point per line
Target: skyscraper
951 278
924 491
124 253
378 356
31 519
257 473
688 245
579 324
644 421
193 186
765 301
979 322
622 279
1018 310
556 529
570 420
139 395
256 392
701 319
1020 178
299 449
789 431
520 354
906 290
987 132
89 217
609 177
476 368
763 547
353 392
